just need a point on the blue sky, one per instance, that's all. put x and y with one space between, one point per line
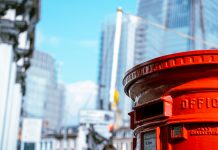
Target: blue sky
70 31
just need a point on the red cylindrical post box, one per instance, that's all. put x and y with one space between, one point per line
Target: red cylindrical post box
175 101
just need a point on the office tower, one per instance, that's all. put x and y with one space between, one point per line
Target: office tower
18 19
126 60
186 25
105 65
42 99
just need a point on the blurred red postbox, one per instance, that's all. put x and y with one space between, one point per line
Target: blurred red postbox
176 101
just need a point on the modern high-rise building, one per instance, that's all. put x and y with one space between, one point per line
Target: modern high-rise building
105 65
125 61
42 99
183 25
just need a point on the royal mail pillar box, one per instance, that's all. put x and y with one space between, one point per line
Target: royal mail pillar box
175 101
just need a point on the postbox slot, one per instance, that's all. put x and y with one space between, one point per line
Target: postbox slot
150 110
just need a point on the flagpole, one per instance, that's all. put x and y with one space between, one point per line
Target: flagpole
116 53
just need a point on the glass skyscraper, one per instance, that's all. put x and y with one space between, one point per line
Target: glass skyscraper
127 59
42 99
105 65
185 25
125 62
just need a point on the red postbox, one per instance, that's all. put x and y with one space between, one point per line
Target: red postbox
175 101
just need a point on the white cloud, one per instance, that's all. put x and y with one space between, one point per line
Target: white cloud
54 40
89 43
79 96
42 38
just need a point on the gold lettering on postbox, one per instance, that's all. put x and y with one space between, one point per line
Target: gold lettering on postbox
199 103
204 131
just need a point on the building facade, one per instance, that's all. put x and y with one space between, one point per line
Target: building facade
123 138
105 65
126 60
64 139
18 19
185 25
42 99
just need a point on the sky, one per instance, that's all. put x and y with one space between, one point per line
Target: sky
70 31
78 95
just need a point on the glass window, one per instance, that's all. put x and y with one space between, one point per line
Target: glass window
149 140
